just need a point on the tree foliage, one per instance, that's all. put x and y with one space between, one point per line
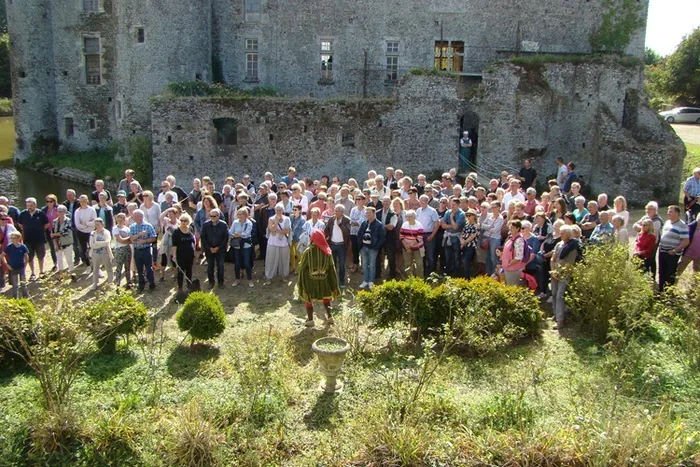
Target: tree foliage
682 71
651 57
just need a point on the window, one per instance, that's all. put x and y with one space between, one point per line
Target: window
226 131
119 110
68 121
251 59
392 61
327 60
140 35
253 6
93 70
449 56
92 123
91 6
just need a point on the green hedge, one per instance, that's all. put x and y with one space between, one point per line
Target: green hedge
15 315
202 316
483 314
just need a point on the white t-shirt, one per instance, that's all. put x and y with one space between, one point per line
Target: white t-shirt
562 172
122 232
508 197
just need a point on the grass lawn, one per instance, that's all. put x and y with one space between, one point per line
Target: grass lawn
251 397
692 159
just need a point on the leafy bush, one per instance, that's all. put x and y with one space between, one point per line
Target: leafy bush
113 315
681 310
485 314
6 108
139 152
16 316
204 89
202 316
397 302
609 292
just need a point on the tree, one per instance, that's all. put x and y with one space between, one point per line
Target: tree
682 71
651 57
5 79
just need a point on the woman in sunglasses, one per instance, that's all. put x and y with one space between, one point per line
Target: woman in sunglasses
51 211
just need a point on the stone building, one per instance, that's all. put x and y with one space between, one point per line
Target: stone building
87 72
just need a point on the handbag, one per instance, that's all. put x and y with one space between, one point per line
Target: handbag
236 243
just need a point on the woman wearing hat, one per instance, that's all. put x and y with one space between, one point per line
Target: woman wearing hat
469 241
317 277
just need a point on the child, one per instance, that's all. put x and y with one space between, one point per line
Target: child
16 258
499 275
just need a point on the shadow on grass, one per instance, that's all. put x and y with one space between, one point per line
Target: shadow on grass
321 414
102 367
184 361
301 344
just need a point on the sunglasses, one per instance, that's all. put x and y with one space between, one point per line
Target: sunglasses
50 201
213 217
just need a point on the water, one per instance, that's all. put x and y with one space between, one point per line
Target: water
17 183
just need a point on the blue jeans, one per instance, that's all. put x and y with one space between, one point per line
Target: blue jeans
429 259
339 258
467 256
144 265
452 257
369 264
491 259
244 257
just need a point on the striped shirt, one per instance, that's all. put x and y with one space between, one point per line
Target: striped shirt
412 234
673 234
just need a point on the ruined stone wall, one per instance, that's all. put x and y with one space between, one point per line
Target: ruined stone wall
31 59
289 35
347 138
592 114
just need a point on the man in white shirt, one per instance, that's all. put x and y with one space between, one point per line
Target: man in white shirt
562 171
513 194
430 220
164 188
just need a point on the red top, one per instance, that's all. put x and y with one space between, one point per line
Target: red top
645 245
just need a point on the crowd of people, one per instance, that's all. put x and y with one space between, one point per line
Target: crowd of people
387 226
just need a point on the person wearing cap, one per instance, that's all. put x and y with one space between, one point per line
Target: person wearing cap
120 205
278 241
413 248
15 258
691 191
318 280
469 241
61 235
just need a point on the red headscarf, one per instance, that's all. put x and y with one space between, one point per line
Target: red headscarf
319 239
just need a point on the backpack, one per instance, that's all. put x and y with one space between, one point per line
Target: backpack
527 249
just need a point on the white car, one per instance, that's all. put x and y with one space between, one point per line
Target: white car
682 115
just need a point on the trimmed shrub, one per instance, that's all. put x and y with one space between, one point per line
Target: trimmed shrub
484 314
202 316
117 314
15 315
397 302
608 291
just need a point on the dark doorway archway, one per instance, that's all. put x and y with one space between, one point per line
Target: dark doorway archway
467 161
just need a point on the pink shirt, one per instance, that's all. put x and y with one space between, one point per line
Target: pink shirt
693 251
514 248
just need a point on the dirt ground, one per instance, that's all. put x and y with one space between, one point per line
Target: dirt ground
689 133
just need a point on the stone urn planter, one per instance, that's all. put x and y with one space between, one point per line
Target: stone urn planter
331 353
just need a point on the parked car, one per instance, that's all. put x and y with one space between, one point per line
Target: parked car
682 115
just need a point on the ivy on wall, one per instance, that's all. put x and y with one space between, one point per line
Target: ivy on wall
621 18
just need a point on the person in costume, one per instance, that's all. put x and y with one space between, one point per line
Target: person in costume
318 280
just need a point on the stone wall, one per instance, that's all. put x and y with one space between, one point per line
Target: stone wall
417 132
591 113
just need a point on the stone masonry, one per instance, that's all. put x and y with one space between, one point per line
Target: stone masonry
84 70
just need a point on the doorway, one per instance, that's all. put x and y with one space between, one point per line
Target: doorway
468 159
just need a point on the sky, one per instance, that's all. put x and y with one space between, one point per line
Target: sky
669 21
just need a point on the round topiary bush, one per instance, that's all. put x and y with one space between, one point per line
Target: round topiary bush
17 320
202 316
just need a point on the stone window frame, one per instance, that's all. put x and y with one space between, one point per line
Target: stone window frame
97 80
91 7
119 110
392 48
68 126
92 123
327 56
447 55
252 56
138 29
